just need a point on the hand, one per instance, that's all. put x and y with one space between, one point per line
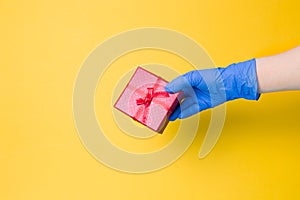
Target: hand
203 89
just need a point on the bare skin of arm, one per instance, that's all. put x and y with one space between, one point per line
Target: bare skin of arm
279 72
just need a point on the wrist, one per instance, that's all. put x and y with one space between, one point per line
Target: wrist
241 81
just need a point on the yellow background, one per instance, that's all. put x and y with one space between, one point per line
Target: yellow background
43 44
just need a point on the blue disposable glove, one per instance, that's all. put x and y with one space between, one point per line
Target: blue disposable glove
203 89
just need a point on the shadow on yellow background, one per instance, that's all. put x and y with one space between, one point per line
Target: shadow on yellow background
43 44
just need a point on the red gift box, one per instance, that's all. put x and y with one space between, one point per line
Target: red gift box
145 100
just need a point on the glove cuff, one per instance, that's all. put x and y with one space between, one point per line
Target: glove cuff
244 81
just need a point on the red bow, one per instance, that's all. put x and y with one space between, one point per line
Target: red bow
146 101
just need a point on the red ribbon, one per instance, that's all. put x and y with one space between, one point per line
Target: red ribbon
146 102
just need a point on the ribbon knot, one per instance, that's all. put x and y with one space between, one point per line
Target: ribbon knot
146 101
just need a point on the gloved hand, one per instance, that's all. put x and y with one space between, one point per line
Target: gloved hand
203 89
